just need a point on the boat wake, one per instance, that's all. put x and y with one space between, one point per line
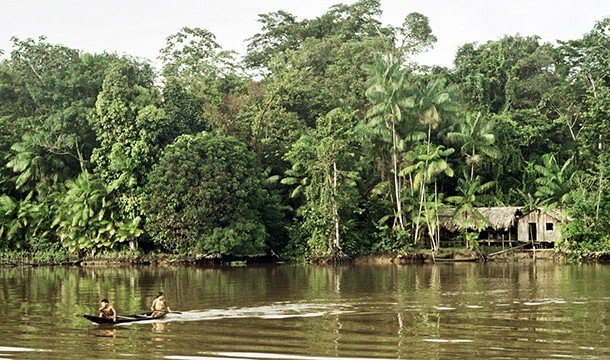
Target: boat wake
274 311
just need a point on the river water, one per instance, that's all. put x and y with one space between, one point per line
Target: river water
449 311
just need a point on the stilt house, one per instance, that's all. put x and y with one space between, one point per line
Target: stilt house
499 224
503 224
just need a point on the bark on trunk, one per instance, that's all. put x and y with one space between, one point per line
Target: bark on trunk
336 240
396 180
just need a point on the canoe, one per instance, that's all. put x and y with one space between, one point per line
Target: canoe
120 319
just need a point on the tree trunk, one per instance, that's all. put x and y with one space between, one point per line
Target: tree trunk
437 233
472 164
336 242
600 186
422 191
81 160
396 180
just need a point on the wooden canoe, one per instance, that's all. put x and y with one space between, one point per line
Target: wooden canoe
120 319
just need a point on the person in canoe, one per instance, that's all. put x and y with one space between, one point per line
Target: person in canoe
106 310
159 305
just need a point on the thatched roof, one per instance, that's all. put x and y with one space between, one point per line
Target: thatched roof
497 218
558 214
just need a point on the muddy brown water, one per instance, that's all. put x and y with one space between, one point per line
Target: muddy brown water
300 312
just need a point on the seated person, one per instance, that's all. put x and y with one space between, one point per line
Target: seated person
159 305
107 311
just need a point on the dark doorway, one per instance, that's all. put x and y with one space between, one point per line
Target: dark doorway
532 232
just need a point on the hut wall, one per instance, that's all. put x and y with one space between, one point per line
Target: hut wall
543 226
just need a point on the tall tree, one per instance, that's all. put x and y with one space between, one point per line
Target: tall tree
131 130
513 72
126 91
390 96
194 62
282 32
433 104
325 170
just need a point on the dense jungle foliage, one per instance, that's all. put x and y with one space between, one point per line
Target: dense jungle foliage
326 138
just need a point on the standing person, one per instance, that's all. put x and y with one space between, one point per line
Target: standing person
159 305
106 310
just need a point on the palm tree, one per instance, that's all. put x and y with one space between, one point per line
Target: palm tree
87 217
433 103
22 220
427 164
388 92
477 139
466 203
31 165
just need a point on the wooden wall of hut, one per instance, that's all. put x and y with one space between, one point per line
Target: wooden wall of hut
539 226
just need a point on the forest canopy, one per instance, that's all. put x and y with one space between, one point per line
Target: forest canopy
326 138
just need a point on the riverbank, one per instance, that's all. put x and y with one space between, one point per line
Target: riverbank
124 258
463 255
136 258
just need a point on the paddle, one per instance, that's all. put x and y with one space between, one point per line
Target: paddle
167 312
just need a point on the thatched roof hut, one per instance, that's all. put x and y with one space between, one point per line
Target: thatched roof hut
497 218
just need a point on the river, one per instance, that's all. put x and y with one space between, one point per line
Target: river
301 312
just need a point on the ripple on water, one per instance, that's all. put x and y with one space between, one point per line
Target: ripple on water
544 302
10 349
6 352
449 341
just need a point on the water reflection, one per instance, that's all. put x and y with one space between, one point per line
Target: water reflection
104 332
160 327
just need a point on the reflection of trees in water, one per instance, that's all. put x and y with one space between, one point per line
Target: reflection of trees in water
413 293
